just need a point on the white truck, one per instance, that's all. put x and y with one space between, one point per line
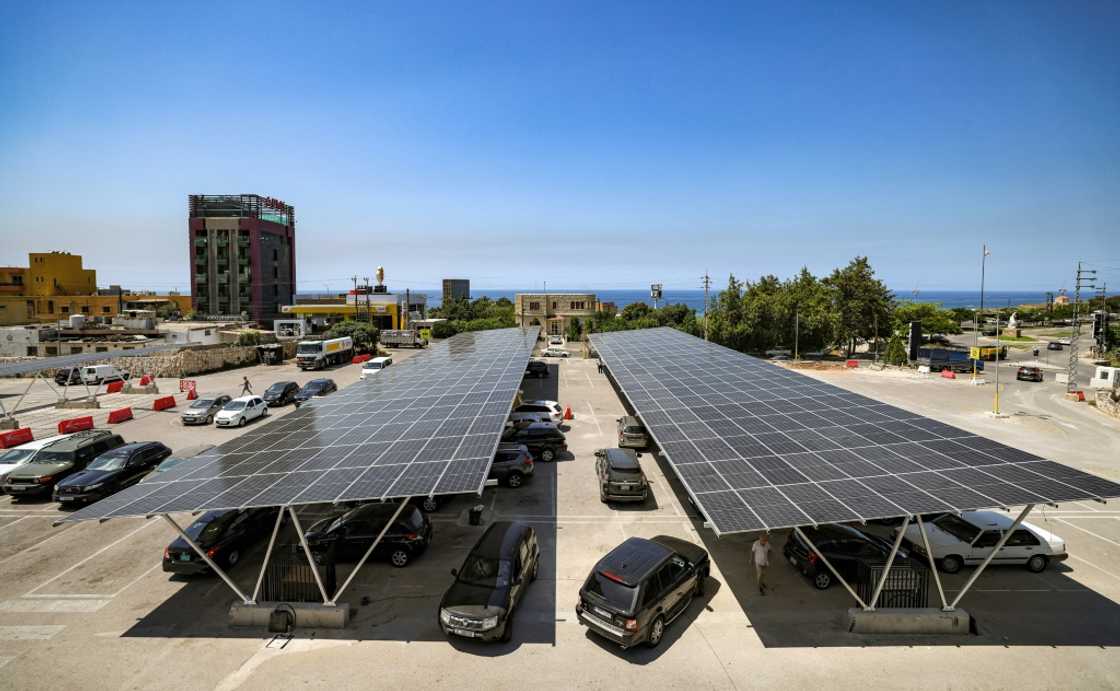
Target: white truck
401 338
320 354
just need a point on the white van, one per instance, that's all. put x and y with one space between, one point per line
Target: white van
374 365
99 374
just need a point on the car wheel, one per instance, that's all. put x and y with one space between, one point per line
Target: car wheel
656 632
548 455
209 419
951 564
513 480
399 558
233 558
822 580
1037 563
429 504
241 421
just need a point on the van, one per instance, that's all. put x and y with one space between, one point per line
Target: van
100 374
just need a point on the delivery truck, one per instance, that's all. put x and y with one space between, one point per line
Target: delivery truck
401 338
320 354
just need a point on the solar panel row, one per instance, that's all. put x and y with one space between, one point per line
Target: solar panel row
761 447
429 425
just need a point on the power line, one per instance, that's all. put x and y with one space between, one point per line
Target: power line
1084 276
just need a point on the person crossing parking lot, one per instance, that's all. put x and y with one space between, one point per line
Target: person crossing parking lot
760 551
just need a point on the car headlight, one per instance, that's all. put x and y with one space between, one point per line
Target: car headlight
489 623
444 616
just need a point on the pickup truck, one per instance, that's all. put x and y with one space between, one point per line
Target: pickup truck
401 338
938 359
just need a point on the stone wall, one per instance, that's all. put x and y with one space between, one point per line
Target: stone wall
1105 403
189 361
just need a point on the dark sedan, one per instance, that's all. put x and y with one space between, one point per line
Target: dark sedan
844 547
202 411
347 537
315 387
281 393
1029 374
111 472
225 535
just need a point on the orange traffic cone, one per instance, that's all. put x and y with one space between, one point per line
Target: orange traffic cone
568 413
192 394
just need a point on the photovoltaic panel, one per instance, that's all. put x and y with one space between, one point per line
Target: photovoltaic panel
761 447
428 425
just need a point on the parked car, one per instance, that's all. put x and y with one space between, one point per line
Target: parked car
225 535
523 418
164 466
58 461
102 374
620 476
349 536
640 587
551 408
281 393
631 433
1065 342
240 411
1029 374
542 439
556 340
68 376
512 465
537 368
203 410
316 388
844 547
1053 345
374 365
16 456
491 583
555 351
968 539
111 472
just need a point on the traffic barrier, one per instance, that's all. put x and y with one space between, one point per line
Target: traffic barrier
114 386
359 359
1080 396
948 374
163 403
120 415
852 363
192 394
15 437
568 413
145 380
75 424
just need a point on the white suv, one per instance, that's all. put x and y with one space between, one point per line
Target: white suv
969 539
550 411
241 410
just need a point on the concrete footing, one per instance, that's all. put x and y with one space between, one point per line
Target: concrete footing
9 423
78 403
307 614
926 620
147 388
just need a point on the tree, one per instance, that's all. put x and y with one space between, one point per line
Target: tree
444 329
862 304
934 319
363 335
896 351
575 329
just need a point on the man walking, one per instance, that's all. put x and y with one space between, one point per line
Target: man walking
760 550
246 390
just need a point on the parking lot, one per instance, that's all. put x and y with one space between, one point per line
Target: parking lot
90 601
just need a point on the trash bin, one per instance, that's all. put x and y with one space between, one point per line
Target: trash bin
476 514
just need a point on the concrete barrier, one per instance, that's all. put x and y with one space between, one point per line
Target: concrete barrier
75 424
948 374
114 387
852 363
163 403
358 359
307 614
18 436
120 415
925 620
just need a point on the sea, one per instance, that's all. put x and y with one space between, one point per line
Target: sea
695 298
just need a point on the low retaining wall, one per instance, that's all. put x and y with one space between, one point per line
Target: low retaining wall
187 362
1106 405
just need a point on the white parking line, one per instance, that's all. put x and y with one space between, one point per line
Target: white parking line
595 419
5 659
9 525
92 556
136 580
1090 532
29 633
35 606
1098 568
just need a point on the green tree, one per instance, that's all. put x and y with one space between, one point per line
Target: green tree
575 329
444 329
861 303
934 319
896 351
364 335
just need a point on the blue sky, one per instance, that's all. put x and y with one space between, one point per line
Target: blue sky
583 144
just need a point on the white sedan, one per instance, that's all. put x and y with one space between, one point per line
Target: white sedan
554 351
969 538
240 411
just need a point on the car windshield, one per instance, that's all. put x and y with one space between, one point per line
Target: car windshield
234 405
169 463
277 388
486 572
309 348
108 462
618 595
54 456
15 456
207 528
313 386
203 403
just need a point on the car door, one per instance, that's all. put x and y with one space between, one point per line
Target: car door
982 546
676 574
135 467
359 535
1020 547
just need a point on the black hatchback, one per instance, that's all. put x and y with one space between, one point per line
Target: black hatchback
225 535
280 393
111 472
641 586
491 583
543 439
347 537
844 547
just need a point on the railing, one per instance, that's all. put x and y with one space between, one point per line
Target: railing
907 584
289 577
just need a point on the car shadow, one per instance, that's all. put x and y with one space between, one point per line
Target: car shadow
543 389
648 504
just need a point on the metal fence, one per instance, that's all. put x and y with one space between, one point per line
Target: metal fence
907 584
289 577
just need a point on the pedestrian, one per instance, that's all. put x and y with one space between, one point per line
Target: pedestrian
760 550
246 390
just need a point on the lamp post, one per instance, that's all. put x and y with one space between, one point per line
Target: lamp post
984 254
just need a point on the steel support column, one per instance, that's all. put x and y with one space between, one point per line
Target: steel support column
995 550
307 551
361 562
890 562
831 568
932 564
268 551
209 562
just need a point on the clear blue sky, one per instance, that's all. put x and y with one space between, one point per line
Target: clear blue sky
586 144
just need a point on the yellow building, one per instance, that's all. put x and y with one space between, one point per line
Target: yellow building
55 286
383 310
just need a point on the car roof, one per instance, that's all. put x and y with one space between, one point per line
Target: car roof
633 560
538 401
243 399
131 446
623 459
318 381
987 519
629 420
500 540
37 444
832 531
76 439
282 383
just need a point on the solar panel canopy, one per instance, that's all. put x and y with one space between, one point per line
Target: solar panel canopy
760 447
428 425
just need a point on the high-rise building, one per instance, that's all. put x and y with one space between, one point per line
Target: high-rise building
456 289
243 255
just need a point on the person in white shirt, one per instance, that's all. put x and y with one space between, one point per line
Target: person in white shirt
760 550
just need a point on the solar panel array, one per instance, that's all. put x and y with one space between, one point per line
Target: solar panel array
68 361
760 447
429 425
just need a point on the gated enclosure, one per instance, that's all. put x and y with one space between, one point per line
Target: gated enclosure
907 584
289 577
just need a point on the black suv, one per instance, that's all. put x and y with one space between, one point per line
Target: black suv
620 476
280 393
111 472
543 439
512 465
223 534
68 376
315 387
349 536
634 592
491 583
58 461
844 547
537 368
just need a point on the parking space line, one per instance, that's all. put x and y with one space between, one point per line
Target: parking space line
38 606
1090 532
5 659
92 556
136 580
27 632
595 419
9 525
65 596
1098 568
589 382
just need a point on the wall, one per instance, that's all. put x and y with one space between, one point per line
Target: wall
1106 405
192 361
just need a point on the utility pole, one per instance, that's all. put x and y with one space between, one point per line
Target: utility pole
355 280
977 325
1102 337
707 285
995 405
1084 276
